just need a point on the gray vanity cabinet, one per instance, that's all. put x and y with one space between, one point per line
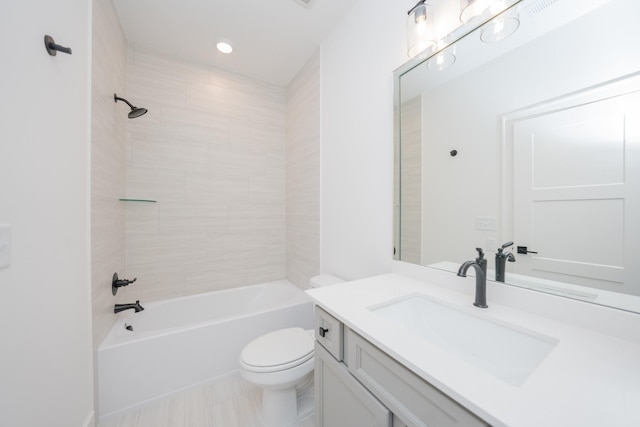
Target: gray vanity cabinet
357 384
341 401
413 401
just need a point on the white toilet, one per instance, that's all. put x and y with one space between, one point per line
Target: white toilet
281 363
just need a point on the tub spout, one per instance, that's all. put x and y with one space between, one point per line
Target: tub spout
121 307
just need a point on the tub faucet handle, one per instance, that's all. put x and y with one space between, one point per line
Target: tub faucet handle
118 283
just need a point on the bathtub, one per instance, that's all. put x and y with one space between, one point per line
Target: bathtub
179 343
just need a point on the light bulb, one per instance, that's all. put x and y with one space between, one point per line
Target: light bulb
224 47
498 27
419 29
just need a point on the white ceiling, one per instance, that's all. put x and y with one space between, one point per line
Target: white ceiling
272 39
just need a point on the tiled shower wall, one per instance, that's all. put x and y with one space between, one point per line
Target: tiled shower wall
411 207
303 174
109 61
211 153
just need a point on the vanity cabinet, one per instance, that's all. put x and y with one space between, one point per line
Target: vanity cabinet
357 384
341 401
413 400
329 332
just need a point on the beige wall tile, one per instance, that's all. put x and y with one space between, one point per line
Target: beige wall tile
303 174
211 152
107 163
411 231
232 162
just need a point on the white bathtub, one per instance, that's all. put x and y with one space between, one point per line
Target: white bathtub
178 343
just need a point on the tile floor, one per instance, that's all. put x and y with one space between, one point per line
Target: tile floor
227 402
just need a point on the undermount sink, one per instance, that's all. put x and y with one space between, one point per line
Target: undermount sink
508 353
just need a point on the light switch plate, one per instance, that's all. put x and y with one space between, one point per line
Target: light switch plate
5 245
486 223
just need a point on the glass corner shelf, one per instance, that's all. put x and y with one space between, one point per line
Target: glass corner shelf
137 200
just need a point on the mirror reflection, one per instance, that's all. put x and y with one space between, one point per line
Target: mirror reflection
528 147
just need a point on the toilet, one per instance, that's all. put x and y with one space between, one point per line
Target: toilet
281 363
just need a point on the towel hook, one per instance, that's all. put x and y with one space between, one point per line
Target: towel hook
53 48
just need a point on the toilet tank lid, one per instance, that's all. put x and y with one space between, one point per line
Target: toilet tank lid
324 280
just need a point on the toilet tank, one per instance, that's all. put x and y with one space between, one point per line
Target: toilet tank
323 280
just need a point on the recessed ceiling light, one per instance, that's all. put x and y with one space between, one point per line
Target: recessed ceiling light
224 47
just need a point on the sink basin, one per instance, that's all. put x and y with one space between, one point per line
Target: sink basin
504 351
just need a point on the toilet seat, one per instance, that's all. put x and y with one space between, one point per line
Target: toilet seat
277 351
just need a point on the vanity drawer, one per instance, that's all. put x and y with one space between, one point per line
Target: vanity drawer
413 400
329 332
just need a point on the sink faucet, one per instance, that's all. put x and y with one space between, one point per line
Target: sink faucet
501 261
480 265
121 307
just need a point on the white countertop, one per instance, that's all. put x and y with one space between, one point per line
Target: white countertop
590 378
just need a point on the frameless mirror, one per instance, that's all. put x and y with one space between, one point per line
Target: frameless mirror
533 139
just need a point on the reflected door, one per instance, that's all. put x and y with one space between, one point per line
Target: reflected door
577 169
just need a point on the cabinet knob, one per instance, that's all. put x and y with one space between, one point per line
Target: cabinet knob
322 331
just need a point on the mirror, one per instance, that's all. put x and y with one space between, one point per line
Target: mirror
535 140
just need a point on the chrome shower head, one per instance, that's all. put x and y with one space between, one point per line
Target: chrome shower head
135 111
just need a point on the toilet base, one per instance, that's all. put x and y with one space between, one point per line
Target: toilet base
306 401
285 407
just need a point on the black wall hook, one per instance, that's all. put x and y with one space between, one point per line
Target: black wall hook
53 48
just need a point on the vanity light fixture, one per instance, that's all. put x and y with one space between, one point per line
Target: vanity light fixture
444 58
473 9
419 30
500 27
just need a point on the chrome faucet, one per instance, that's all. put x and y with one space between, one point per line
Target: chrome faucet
121 307
480 265
501 261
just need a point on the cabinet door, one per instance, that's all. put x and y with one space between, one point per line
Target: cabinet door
329 332
340 400
397 422
412 400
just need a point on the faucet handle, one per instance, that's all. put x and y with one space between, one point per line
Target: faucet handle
480 253
118 283
506 245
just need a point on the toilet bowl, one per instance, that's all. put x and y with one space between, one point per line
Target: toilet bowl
278 362
281 363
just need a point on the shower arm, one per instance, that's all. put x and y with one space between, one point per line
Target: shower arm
116 98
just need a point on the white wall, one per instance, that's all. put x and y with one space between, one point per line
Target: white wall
357 64
45 321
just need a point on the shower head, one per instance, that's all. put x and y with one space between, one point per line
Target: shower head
135 111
